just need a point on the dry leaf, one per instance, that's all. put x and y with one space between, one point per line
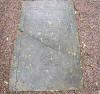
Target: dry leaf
84 45
75 12
6 82
7 38
49 22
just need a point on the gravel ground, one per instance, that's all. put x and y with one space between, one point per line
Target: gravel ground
88 20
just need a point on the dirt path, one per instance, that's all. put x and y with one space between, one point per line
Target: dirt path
88 20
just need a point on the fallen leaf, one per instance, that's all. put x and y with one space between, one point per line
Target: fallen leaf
76 12
49 22
84 45
7 38
6 82
91 65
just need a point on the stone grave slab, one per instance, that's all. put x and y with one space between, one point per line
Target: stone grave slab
46 54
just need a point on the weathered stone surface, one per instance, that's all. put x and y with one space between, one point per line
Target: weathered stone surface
46 54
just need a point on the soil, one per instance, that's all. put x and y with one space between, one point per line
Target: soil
88 22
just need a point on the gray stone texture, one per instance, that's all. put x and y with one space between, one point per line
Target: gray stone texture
46 54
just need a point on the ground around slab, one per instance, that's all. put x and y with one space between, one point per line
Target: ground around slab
88 21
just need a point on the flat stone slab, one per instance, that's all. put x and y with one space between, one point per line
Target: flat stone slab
46 54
